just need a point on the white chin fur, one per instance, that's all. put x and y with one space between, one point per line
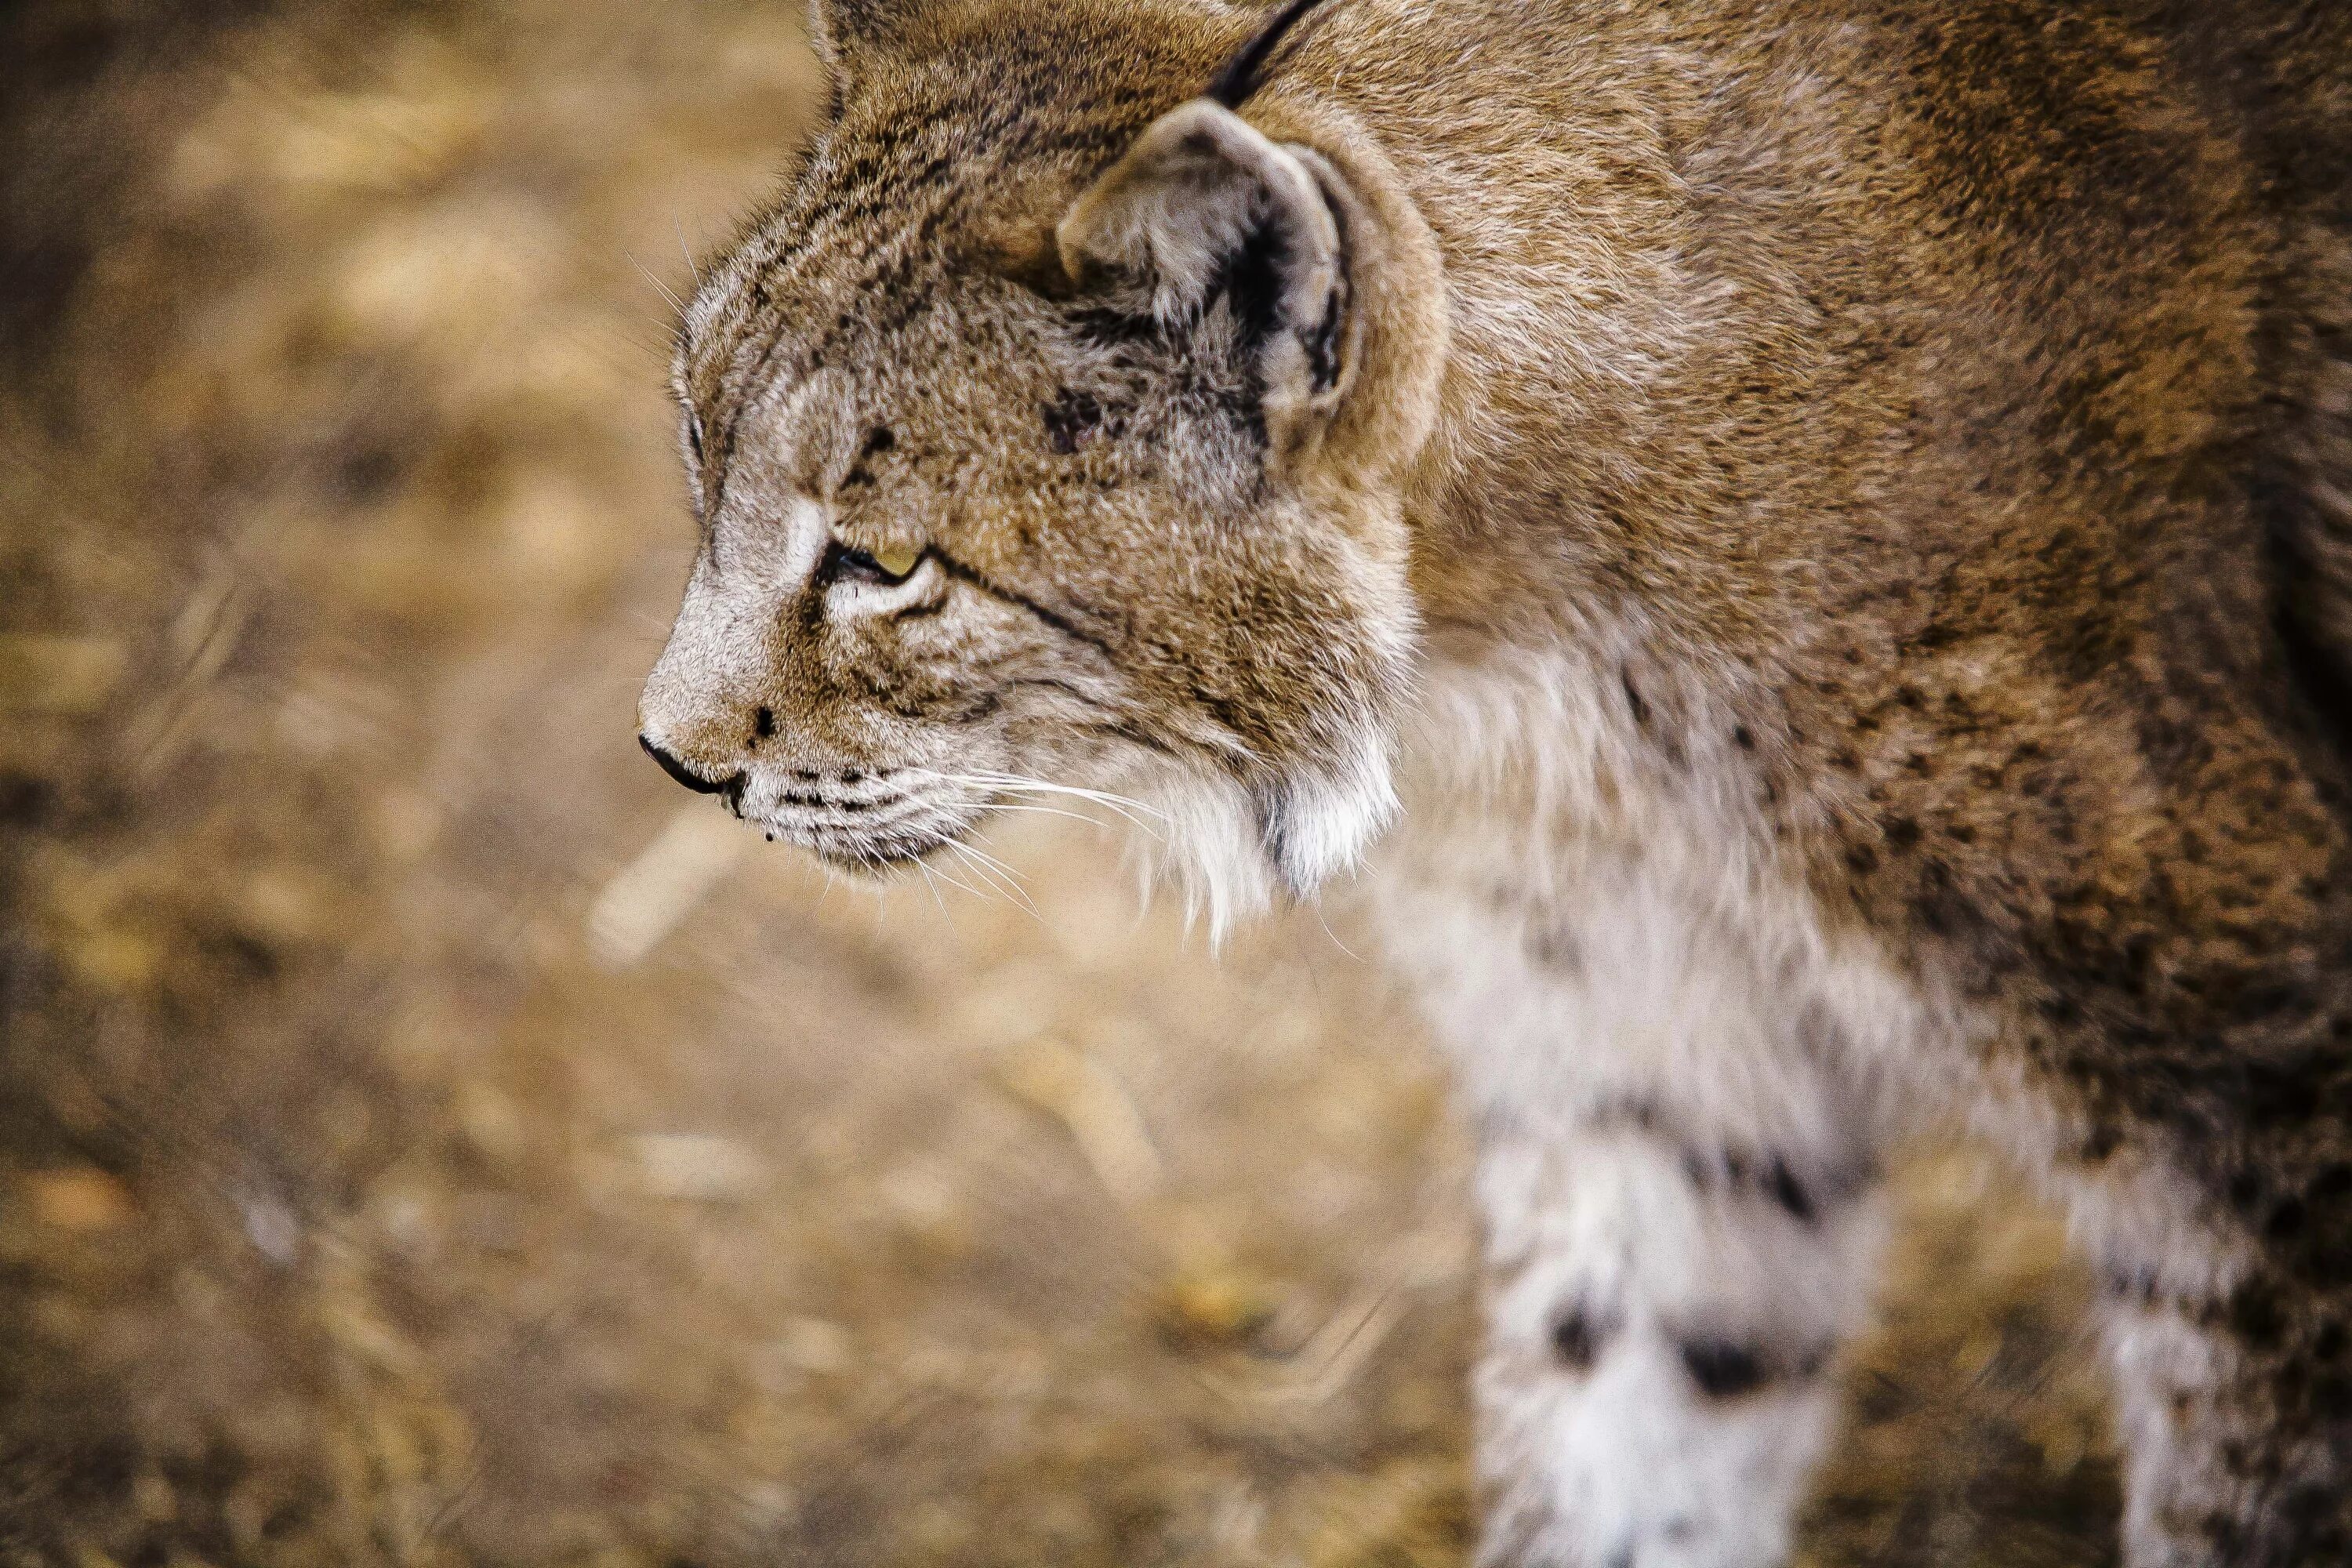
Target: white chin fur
1209 847
1230 848
1318 825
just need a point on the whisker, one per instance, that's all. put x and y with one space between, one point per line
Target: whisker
985 895
1016 781
931 882
996 873
1073 815
1326 924
1020 886
986 890
1100 798
675 302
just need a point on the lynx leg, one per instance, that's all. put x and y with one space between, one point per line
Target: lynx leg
1677 1180
2231 1344
1662 1303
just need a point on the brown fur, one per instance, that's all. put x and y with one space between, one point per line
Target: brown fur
1944 410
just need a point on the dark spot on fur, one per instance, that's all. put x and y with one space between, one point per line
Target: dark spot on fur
2222 1531
1554 948
1741 738
1723 1370
1577 1338
1787 1192
1072 420
1100 327
2246 1191
763 723
1633 697
2255 1316
1632 1110
26 801
878 440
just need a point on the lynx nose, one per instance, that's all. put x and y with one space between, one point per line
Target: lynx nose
688 776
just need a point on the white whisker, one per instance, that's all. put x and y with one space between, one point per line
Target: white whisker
1020 783
1073 815
675 302
984 894
1118 802
996 873
931 882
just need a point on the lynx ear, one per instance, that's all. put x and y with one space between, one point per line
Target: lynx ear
1204 206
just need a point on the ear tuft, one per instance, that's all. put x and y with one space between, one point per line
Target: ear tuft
1241 76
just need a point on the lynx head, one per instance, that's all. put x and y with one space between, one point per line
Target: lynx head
1052 427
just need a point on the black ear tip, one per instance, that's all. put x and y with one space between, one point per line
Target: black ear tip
1241 75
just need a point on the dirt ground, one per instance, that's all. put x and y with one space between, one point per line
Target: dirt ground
428 1137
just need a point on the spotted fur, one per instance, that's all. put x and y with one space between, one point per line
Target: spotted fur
1806 547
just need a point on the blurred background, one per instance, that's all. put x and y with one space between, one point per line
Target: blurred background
427 1136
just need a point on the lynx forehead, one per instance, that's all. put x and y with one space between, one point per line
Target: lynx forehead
1812 543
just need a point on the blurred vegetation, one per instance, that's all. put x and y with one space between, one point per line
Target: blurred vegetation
426 1139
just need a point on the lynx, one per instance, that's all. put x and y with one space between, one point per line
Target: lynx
1802 551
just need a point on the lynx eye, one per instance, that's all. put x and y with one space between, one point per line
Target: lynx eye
885 563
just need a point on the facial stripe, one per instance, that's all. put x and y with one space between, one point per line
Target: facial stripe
1061 623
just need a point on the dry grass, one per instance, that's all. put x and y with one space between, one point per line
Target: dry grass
426 1139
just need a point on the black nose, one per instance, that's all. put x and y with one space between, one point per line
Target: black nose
691 780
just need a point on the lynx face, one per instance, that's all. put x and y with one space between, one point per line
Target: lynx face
1010 468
